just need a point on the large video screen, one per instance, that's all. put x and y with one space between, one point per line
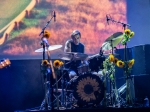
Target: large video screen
21 22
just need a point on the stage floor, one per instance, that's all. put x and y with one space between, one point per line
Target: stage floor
108 109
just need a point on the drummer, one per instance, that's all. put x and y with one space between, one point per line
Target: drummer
74 45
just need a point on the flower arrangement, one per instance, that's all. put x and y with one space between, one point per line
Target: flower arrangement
45 63
57 63
44 66
109 66
110 63
46 34
127 35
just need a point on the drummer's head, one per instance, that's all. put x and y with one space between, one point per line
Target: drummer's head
76 35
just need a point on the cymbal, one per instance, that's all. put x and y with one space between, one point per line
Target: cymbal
93 56
107 54
72 56
104 54
114 39
50 48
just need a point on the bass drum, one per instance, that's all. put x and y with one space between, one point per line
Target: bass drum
88 89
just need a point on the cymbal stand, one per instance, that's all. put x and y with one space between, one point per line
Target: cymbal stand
111 99
113 89
62 87
129 99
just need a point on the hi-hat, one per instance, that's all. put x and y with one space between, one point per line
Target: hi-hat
50 48
72 56
112 41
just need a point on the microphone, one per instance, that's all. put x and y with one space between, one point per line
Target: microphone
107 19
54 16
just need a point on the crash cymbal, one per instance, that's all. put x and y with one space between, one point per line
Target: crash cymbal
114 36
50 48
114 39
73 56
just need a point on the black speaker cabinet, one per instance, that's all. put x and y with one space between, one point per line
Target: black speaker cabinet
141 86
141 54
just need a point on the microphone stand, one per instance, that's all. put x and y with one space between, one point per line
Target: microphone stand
123 24
42 32
129 99
45 75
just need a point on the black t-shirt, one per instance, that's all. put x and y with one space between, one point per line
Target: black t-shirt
77 48
75 64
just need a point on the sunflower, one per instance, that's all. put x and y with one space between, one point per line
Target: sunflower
131 34
46 34
111 58
127 32
57 63
115 61
61 63
85 83
130 63
120 64
45 62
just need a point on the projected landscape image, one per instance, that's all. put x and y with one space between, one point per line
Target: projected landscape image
22 22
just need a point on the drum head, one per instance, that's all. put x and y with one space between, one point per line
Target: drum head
88 89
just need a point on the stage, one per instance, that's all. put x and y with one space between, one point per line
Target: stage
22 88
94 110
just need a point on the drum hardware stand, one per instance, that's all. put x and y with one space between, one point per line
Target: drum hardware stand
48 100
62 93
129 100
112 84
111 92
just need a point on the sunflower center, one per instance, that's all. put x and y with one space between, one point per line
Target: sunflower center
120 63
57 64
88 89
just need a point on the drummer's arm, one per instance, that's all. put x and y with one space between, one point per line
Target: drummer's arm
67 47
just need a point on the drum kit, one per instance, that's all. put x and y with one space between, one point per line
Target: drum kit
88 87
